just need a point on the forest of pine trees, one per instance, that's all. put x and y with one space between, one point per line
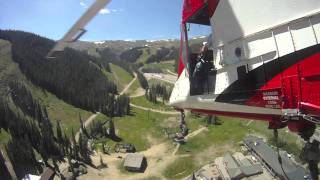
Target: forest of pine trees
158 91
164 54
131 55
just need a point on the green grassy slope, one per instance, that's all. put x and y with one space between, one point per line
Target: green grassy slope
4 137
120 77
136 84
58 110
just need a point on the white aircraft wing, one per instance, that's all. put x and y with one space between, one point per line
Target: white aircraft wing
77 29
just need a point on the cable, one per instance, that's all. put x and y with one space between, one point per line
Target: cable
275 133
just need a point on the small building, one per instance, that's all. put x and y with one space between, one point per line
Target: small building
135 162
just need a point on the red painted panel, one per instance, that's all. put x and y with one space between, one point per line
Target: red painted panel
298 87
190 7
181 65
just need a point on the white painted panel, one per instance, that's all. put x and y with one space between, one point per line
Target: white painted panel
218 58
284 41
234 19
260 44
302 34
222 82
232 74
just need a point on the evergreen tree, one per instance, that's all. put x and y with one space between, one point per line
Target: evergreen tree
59 133
74 146
67 145
83 149
112 132
143 81
83 128
22 157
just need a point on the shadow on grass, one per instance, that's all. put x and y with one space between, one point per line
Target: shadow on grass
116 138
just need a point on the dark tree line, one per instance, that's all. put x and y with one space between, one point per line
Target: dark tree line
143 81
158 91
116 106
164 54
131 55
72 75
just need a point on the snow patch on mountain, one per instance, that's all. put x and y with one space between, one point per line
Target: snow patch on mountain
99 42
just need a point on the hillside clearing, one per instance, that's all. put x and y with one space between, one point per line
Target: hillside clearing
120 76
137 127
58 110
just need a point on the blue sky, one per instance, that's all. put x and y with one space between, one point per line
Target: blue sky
121 19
